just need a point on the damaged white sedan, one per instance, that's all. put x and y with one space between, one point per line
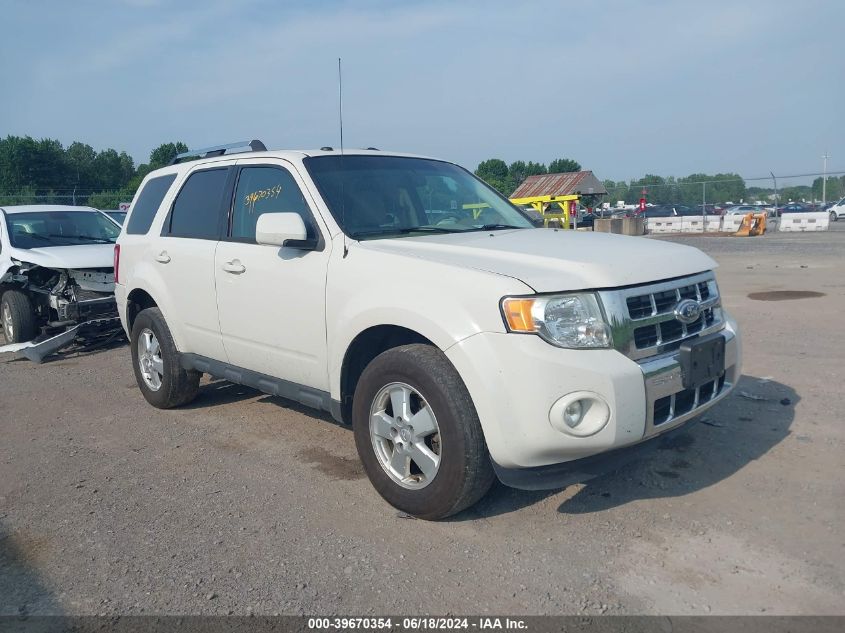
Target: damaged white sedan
56 277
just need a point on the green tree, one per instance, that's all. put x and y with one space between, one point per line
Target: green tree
795 193
109 171
564 165
26 162
81 159
656 190
519 170
140 174
108 199
166 152
495 173
833 191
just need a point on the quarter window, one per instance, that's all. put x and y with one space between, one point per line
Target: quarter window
198 208
147 204
266 190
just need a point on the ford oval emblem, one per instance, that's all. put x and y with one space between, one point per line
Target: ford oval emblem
687 311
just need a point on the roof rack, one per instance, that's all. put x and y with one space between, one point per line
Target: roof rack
218 150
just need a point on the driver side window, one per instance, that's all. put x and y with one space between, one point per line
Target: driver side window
266 190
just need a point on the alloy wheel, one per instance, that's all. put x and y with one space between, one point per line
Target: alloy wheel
149 359
405 435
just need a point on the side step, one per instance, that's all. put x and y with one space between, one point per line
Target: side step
308 396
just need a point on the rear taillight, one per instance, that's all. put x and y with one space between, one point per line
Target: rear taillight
116 263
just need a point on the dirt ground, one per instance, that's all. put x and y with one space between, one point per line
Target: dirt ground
243 503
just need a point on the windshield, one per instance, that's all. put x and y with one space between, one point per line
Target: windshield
390 196
42 229
117 216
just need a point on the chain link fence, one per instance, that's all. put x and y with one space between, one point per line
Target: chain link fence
80 197
703 193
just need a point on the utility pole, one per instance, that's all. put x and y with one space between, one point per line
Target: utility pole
776 192
703 207
824 178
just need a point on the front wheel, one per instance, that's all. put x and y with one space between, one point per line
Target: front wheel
418 434
18 317
833 217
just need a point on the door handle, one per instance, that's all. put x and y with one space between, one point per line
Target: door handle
234 266
163 257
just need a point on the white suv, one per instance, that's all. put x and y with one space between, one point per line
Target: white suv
409 299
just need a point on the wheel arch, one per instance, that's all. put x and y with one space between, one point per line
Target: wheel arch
366 345
138 300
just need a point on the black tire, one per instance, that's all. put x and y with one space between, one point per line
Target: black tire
178 386
465 473
16 310
834 217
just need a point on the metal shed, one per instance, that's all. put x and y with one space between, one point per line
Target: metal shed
582 183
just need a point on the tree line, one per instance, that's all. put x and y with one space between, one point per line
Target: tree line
506 178
689 190
45 172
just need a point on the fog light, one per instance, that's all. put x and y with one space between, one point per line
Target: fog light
573 413
580 414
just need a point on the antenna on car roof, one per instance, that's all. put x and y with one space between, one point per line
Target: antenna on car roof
342 172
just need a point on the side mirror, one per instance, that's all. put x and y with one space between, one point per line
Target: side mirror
282 229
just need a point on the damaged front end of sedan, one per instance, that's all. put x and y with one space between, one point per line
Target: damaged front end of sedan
58 307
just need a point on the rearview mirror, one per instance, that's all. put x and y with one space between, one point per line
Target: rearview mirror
282 229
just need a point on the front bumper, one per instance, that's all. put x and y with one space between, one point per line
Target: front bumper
578 471
515 380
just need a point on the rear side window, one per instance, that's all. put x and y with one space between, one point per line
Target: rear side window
198 209
148 203
266 190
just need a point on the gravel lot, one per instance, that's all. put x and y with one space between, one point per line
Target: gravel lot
242 503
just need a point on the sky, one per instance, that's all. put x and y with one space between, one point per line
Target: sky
625 88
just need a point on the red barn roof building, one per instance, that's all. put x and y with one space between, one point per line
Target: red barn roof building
576 182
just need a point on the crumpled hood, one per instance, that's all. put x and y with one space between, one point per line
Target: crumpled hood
553 260
81 256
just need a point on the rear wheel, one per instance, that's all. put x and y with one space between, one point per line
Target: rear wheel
18 317
418 434
155 359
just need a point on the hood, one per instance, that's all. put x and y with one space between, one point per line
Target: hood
555 260
81 256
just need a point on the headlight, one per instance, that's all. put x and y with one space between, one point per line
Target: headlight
572 320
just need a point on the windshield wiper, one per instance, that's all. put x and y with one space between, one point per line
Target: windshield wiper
35 236
406 231
90 238
494 227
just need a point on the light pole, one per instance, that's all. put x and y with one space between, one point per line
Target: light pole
824 178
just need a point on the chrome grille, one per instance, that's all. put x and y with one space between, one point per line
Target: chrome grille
643 319
677 404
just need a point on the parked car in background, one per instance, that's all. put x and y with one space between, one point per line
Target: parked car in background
837 211
56 273
742 209
796 207
585 219
657 211
682 209
117 216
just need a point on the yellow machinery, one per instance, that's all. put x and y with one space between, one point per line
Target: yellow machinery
544 205
752 224
476 208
